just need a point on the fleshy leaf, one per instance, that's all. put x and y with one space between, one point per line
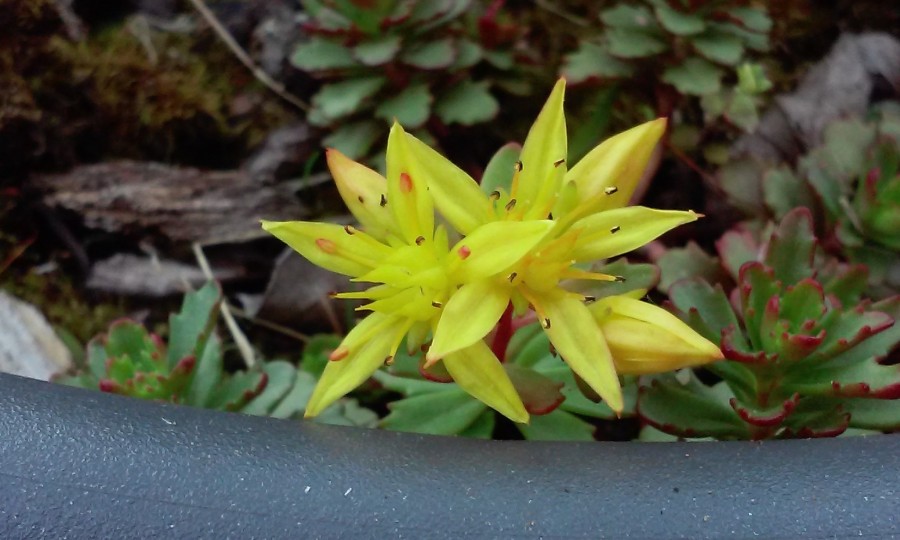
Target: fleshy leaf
448 412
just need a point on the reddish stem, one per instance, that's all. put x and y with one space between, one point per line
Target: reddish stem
503 334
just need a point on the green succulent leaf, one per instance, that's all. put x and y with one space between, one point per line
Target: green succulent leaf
468 53
343 98
377 51
694 76
557 426
189 328
354 140
320 54
687 262
624 43
499 171
316 351
438 54
754 19
689 410
792 247
281 377
482 427
236 391
719 47
411 107
208 374
679 23
629 17
448 412
468 103
592 61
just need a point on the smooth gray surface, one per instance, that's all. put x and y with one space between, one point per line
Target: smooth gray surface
82 464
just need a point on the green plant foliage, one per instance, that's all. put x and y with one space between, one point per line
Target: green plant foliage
690 46
852 184
803 350
128 360
412 61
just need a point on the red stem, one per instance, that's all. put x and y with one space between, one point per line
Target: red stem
503 334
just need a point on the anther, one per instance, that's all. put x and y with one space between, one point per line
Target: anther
406 183
437 304
610 190
332 294
512 277
383 200
519 166
348 229
510 205
360 198
326 245
389 361
620 279
558 162
338 354
464 252
553 352
545 323
495 195
550 215
615 229
590 299
419 240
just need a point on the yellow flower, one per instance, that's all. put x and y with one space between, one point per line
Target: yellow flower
415 272
590 222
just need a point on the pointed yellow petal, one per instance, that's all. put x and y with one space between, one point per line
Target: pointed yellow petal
468 316
616 164
362 189
408 198
648 339
456 195
477 371
614 232
343 375
542 160
576 336
495 247
339 249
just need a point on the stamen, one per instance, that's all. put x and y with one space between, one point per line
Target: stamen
419 240
619 279
464 252
338 354
437 304
518 166
550 215
510 205
610 190
326 245
348 229
383 200
512 276
332 294
615 229
590 299
545 323
389 361
495 195
406 183
553 352
558 162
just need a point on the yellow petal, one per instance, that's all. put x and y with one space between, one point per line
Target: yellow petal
467 317
616 164
362 190
614 232
340 249
343 375
455 194
495 247
648 339
408 198
577 337
477 371
542 160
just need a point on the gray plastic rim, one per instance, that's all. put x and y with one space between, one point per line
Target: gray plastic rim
81 464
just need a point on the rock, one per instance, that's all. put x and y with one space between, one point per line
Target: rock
28 345
129 274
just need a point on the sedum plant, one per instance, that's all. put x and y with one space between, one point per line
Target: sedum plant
852 183
189 370
804 353
695 44
510 252
409 60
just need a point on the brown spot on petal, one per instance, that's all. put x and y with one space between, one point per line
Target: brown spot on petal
437 304
383 202
348 229
518 166
326 245
406 183
545 323
510 205
615 229
610 190
558 162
